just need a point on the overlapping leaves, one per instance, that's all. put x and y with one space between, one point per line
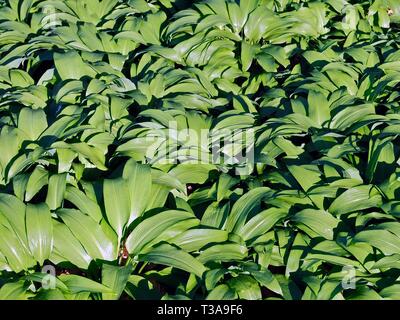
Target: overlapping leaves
89 90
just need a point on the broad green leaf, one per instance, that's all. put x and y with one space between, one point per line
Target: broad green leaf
78 284
383 240
39 230
225 182
246 287
116 278
151 227
392 292
195 239
13 210
68 247
117 204
15 291
83 202
223 252
94 239
267 279
174 230
222 292
247 55
70 65
354 199
19 185
56 190
18 257
192 173
320 222
32 122
261 223
244 206
139 180
215 215
299 246
169 255
158 196
319 110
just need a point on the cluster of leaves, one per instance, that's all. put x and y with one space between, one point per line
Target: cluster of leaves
85 83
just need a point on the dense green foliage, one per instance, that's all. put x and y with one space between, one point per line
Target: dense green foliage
88 86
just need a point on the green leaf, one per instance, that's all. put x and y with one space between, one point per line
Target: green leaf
70 65
261 223
139 179
174 231
392 292
319 222
95 240
15 291
32 122
19 185
246 287
215 215
383 240
39 230
244 206
158 196
225 182
355 199
195 239
267 279
56 190
318 110
18 257
223 252
117 204
296 251
169 255
83 203
192 173
68 247
247 55
151 227
116 278
13 210
77 284
38 179
222 292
